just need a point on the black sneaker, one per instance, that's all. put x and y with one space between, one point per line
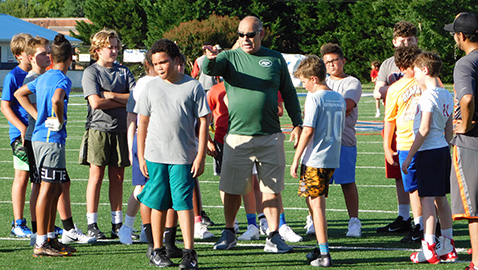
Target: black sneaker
174 252
189 259
398 226
95 232
206 220
313 255
414 236
160 259
115 230
149 251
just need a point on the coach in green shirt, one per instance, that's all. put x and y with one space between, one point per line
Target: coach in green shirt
253 77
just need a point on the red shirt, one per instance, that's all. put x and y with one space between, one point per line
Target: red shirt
215 99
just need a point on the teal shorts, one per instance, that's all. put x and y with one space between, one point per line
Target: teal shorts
169 186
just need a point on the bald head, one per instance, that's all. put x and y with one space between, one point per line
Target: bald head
250 34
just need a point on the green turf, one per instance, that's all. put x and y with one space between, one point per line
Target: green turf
377 207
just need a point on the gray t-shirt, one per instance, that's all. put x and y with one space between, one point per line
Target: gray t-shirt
206 81
136 92
97 79
350 88
31 76
389 72
465 77
173 110
325 112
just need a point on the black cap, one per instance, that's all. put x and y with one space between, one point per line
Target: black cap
464 22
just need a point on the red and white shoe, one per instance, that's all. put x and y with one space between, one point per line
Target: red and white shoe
445 250
427 254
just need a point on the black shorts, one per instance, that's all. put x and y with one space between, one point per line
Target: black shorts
34 176
433 172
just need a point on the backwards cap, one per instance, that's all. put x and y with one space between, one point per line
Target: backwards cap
464 22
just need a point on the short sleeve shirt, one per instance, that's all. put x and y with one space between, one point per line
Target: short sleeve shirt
32 75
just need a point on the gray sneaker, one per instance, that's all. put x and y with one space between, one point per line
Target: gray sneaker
227 241
322 261
277 245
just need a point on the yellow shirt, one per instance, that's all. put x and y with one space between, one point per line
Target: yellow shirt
400 107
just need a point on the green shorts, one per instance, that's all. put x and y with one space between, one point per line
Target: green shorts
20 157
169 186
105 148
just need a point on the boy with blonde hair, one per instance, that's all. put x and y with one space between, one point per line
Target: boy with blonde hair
319 146
106 86
17 118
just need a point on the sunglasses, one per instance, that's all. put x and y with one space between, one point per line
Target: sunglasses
249 35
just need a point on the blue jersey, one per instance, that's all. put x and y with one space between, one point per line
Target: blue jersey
325 112
11 83
44 87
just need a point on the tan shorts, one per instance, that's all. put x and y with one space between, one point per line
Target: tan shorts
242 152
106 148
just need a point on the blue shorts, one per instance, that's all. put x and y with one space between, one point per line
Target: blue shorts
410 182
169 186
346 173
433 172
138 178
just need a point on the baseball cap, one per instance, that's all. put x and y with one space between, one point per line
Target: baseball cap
464 22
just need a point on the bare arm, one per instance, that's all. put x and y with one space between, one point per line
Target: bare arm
306 136
380 90
350 106
131 119
121 98
467 106
388 130
198 165
101 103
422 133
449 129
58 105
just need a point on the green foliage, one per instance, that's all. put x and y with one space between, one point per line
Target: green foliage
42 8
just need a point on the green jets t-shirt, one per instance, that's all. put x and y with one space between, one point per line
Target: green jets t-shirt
252 83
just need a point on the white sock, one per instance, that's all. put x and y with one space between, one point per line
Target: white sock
429 238
91 218
116 217
41 239
129 221
419 220
404 211
51 235
448 233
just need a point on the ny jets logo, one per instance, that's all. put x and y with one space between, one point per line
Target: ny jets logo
265 63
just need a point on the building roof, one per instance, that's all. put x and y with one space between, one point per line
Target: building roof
12 25
61 25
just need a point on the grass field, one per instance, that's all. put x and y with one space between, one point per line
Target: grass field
377 207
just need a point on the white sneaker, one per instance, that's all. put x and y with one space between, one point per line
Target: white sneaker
124 234
33 239
309 226
142 236
288 234
201 232
76 235
355 228
263 226
377 115
252 233
236 226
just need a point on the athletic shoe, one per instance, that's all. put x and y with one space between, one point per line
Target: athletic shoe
206 220
355 228
95 232
173 251
124 234
252 233
189 259
323 261
236 226
76 235
142 236
309 226
33 239
427 254
414 236
288 234
20 229
313 255
227 240
263 226
470 267
201 232
397 226
58 231
470 251
377 115
445 249
46 250
277 245
149 251
115 230
160 259
54 243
